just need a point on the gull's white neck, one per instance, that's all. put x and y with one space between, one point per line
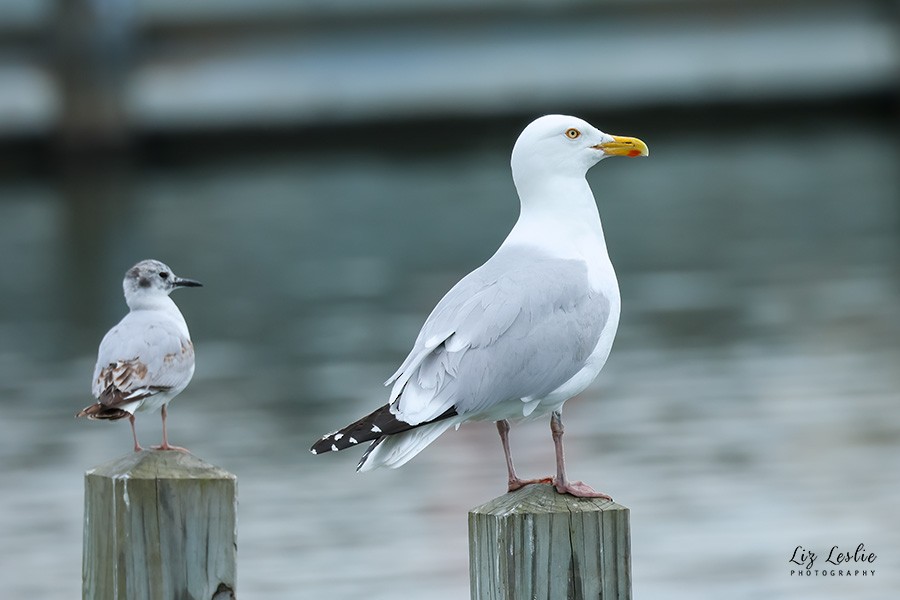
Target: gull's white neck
559 216
159 303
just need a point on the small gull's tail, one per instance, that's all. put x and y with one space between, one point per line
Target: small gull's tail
101 411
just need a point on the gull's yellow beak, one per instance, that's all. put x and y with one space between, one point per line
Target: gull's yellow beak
624 146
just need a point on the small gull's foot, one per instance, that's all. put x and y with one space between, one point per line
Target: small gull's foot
138 448
518 484
171 447
579 490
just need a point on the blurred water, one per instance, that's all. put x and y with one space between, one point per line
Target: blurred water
749 406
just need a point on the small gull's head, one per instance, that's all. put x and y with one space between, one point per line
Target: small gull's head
152 279
567 146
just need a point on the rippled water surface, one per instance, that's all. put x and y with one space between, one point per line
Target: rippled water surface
750 404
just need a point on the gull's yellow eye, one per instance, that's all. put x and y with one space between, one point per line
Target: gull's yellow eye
572 133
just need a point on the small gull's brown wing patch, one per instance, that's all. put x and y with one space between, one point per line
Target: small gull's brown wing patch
121 383
186 352
123 375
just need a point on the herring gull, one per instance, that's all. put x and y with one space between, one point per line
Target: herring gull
525 331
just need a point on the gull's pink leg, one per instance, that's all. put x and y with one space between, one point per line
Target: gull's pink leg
165 441
137 447
563 485
514 483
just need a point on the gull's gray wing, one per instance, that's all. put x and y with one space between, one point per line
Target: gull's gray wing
141 356
517 327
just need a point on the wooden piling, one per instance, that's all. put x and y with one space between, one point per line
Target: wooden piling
537 544
159 525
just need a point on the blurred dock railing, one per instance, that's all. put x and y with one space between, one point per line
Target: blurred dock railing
144 66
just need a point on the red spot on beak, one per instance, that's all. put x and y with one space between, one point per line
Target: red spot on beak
633 153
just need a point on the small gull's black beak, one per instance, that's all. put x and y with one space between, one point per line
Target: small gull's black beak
181 282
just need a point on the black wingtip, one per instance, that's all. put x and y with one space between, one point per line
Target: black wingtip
336 441
374 426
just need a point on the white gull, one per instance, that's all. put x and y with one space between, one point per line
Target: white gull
524 332
148 358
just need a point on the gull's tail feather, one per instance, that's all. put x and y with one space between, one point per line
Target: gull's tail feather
394 451
376 425
101 411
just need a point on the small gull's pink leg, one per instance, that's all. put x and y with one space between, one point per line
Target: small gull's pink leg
562 484
514 483
137 447
165 437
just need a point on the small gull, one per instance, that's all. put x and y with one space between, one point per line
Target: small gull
524 332
148 358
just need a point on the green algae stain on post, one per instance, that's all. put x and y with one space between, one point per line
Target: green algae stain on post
159 525
535 543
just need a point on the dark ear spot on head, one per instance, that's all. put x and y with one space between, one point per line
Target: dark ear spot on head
144 282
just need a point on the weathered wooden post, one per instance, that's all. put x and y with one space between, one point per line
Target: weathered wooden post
536 544
159 526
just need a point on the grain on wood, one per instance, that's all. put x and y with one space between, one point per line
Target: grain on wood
159 525
537 544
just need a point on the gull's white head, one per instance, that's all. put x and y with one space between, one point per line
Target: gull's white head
150 280
561 145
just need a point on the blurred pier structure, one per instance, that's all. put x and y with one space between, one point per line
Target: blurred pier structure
79 70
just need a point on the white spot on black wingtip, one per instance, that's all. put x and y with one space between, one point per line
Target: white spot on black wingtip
376 429
352 440
334 448
338 436
313 451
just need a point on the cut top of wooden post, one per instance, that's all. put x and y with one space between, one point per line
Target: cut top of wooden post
160 465
542 499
